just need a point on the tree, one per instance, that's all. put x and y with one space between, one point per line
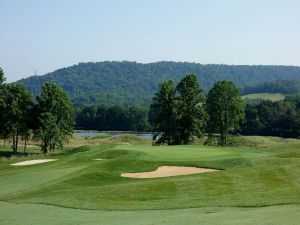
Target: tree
191 113
101 118
162 114
137 118
3 132
2 78
49 132
252 121
17 105
225 109
55 117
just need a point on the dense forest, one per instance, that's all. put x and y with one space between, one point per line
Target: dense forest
277 86
281 118
114 118
130 83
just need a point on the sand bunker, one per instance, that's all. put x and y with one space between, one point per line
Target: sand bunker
168 171
32 162
99 159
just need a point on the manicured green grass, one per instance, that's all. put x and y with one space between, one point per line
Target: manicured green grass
265 96
37 214
254 186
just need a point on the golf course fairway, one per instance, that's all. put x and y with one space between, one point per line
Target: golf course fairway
252 186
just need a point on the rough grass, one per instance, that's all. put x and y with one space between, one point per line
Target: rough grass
76 141
262 141
259 184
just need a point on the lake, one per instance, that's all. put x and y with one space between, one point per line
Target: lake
111 133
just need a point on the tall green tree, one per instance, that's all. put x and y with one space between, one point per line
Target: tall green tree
2 111
191 113
2 78
17 105
55 117
163 116
225 109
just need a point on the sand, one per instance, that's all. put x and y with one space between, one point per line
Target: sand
98 159
168 171
32 162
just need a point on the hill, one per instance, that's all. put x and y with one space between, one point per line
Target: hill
276 86
130 83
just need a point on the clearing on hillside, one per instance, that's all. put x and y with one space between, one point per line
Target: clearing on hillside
265 96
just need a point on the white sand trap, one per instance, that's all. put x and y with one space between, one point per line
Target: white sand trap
168 171
98 159
32 162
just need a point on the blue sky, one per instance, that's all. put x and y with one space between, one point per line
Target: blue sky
46 35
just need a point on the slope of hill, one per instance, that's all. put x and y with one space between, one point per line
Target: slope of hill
276 86
130 83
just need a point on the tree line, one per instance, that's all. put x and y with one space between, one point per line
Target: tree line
277 86
281 118
47 119
112 118
179 114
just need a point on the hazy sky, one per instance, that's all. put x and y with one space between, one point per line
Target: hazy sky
46 35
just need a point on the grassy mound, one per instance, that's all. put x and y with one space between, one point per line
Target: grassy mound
261 141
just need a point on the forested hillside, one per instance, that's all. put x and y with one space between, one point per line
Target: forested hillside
131 83
277 86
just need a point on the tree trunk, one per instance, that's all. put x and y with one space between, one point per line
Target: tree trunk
25 145
45 147
14 143
223 138
50 146
17 141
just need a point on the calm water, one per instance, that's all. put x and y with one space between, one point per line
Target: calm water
93 134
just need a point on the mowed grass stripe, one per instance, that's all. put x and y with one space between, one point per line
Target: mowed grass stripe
36 214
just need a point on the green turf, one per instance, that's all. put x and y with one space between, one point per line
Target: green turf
253 186
35 214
